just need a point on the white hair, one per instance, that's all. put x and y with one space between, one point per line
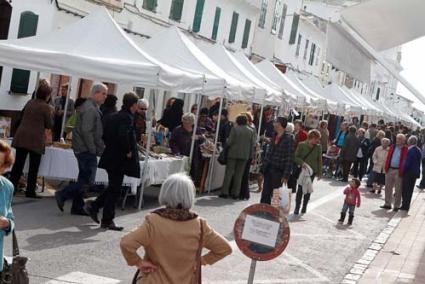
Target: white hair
290 128
189 117
143 103
413 140
178 191
98 87
386 141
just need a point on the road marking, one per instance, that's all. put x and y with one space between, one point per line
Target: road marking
78 277
359 235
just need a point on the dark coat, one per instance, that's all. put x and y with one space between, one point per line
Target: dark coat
31 135
350 148
120 139
412 165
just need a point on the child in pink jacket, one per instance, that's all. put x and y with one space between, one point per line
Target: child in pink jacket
352 199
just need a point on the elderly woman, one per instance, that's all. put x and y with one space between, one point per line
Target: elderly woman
411 172
308 156
181 137
375 143
140 118
173 237
6 194
30 138
379 157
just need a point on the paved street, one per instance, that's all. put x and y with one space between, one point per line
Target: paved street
70 249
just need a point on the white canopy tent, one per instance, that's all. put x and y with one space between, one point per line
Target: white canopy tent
370 108
103 52
334 92
173 47
224 58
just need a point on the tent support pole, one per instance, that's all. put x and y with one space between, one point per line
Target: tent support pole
68 94
211 167
260 121
195 129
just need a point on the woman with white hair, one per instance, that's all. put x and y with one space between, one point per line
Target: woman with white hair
140 118
379 157
181 137
173 238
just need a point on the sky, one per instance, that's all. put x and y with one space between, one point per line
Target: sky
413 62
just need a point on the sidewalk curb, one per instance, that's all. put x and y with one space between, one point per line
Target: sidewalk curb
359 268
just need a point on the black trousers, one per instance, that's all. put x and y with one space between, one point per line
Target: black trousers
346 166
301 197
272 180
109 197
18 167
245 181
407 186
359 168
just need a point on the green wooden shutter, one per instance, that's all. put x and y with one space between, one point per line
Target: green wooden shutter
233 27
216 23
294 29
176 10
198 16
27 27
149 5
5 14
246 32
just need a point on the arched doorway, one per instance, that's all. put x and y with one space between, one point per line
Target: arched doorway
5 14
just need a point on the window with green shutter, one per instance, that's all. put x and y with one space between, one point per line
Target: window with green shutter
198 16
176 10
246 32
27 27
216 23
149 5
233 27
294 28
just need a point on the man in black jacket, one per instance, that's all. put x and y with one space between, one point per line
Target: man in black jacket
277 165
119 158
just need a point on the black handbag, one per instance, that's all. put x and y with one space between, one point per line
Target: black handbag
15 273
222 157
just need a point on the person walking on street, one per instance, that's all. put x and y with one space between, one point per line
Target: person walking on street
352 199
240 145
411 172
349 152
379 157
30 138
394 172
308 156
87 144
119 158
245 195
173 238
278 162
360 164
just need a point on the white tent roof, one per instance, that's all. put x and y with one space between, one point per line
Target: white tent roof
335 93
102 52
363 102
173 47
224 58
385 24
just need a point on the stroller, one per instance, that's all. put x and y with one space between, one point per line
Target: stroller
330 162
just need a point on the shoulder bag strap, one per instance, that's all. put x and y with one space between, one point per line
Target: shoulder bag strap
309 152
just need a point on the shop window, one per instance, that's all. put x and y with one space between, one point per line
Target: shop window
297 51
233 27
263 13
197 20
246 32
216 23
282 21
27 27
150 5
176 10
5 14
294 28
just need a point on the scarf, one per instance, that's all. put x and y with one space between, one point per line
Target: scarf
176 214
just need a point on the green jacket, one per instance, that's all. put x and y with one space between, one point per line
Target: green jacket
314 159
241 143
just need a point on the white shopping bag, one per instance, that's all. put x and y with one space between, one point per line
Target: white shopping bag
282 199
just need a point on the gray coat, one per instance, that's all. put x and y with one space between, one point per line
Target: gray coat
241 143
88 130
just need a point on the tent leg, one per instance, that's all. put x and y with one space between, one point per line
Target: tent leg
195 129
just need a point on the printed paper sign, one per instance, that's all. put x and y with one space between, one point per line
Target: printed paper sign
260 230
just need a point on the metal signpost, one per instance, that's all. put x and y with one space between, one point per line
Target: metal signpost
261 233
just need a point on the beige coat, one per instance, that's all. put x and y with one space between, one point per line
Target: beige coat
379 157
172 246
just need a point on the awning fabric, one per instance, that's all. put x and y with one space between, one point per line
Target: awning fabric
102 52
173 47
227 61
385 24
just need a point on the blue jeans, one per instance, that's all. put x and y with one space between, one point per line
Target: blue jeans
349 208
87 166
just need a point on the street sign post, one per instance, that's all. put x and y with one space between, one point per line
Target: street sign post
261 233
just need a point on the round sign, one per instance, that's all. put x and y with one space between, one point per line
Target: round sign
261 232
